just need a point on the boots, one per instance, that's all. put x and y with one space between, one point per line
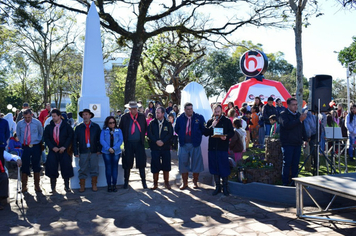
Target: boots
109 188
82 185
217 185
37 182
66 185
166 180
195 180
53 185
126 177
155 181
225 186
113 188
94 180
24 179
143 177
185 181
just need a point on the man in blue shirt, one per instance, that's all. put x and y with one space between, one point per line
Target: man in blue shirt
190 127
30 131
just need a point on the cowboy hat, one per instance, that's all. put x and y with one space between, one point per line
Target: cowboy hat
132 104
86 110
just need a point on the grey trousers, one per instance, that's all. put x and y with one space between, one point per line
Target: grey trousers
190 159
88 164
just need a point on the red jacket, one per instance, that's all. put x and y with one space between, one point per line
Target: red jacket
43 114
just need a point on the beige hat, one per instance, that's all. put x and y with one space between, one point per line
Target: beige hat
133 104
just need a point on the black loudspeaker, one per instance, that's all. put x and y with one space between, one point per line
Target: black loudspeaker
320 87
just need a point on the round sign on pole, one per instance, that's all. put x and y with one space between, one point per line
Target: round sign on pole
253 63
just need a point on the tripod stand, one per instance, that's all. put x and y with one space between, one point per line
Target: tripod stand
317 145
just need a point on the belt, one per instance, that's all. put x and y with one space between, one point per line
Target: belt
30 145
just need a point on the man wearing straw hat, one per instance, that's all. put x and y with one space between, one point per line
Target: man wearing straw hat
133 125
86 146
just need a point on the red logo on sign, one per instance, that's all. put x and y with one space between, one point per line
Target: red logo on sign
253 63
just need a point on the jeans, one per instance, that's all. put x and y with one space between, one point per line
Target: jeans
322 142
261 137
291 157
351 146
268 129
111 167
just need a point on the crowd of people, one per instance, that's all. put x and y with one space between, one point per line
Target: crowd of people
25 139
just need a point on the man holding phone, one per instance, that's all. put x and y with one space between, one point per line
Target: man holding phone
292 134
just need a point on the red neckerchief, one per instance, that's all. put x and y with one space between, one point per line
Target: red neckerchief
2 170
188 128
87 132
134 122
56 132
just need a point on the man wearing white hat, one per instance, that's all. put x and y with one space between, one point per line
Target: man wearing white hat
134 126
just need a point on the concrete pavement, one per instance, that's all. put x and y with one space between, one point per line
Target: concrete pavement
138 211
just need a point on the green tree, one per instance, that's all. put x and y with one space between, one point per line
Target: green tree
348 55
44 44
221 72
168 59
116 86
66 75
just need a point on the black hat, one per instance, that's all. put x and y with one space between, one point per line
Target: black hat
86 110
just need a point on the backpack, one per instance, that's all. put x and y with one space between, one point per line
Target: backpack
236 144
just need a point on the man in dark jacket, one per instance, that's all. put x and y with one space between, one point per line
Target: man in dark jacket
86 146
292 136
160 133
279 108
133 126
218 149
19 117
58 136
267 111
190 128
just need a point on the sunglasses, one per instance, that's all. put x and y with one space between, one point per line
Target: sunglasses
110 123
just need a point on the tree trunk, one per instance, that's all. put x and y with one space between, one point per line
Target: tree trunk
130 85
298 52
298 8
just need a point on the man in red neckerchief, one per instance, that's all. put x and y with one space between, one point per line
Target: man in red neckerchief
86 146
44 113
133 125
58 136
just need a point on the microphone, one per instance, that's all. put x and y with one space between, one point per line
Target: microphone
216 117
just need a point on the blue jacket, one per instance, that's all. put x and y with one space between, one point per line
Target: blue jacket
4 132
105 140
198 128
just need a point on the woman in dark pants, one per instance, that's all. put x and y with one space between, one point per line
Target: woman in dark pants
111 140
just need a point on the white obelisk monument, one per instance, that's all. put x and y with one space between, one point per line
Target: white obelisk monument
93 93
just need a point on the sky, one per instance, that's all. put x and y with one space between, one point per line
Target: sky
324 36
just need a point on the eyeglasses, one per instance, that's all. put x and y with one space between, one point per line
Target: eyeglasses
110 123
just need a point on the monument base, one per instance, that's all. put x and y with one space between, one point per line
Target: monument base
74 183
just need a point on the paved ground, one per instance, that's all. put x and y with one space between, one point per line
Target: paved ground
145 212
